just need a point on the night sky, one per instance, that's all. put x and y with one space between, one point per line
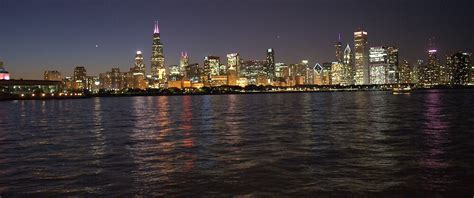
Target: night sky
38 35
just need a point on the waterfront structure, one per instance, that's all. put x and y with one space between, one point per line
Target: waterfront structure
4 75
348 66
52 75
337 73
233 60
378 65
405 72
392 61
270 64
183 62
158 71
31 87
361 54
218 80
460 65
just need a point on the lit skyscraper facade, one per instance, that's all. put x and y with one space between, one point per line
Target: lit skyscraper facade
348 66
460 66
233 61
183 62
337 73
378 65
392 61
270 64
136 78
79 78
139 65
405 72
429 73
213 64
175 73
80 73
158 70
361 53
416 70
117 79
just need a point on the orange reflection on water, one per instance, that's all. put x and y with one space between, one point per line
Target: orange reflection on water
186 126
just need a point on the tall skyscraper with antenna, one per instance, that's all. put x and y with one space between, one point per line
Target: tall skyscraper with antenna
339 53
158 71
183 62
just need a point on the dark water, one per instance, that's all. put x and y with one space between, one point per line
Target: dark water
357 143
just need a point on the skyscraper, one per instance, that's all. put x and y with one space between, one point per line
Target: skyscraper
326 74
183 62
392 61
378 65
175 73
213 64
337 73
80 73
339 52
416 71
233 61
158 70
361 53
429 73
137 75
348 66
139 65
270 64
193 72
460 66
405 73
116 79
79 78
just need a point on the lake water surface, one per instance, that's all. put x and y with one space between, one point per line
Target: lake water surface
306 144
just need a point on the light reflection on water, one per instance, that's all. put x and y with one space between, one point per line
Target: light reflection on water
268 144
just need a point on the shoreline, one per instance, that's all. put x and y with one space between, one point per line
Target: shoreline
228 92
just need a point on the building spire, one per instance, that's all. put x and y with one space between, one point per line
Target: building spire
339 39
157 29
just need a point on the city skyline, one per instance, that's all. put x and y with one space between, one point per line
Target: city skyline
220 44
